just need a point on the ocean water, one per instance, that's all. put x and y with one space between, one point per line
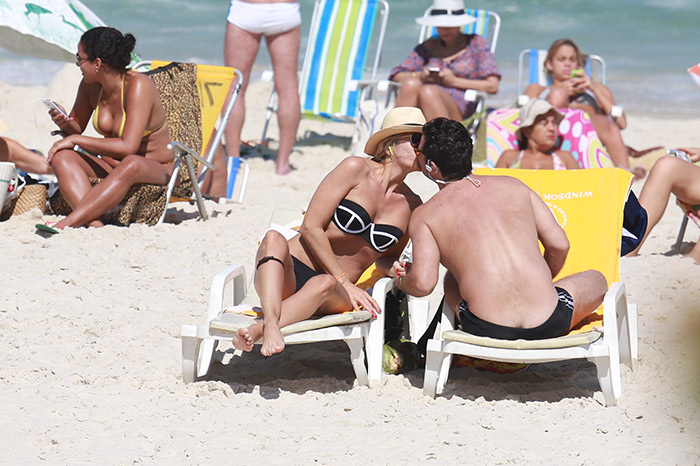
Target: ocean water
648 44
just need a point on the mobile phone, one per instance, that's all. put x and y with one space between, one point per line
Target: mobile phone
433 70
54 106
577 73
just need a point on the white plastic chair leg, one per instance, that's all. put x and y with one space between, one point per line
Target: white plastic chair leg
609 378
357 356
206 356
418 316
190 347
434 367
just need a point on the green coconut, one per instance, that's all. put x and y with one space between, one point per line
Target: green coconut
400 356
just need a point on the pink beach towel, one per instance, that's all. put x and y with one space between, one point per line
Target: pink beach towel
576 132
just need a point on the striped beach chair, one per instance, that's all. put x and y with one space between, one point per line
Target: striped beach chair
338 74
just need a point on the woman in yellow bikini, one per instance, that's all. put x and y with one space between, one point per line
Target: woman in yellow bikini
126 109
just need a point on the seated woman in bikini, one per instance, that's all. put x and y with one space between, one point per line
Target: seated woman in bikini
578 91
537 137
127 112
671 175
356 217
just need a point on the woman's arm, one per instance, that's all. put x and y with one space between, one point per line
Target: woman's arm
449 79
534 90
140 100
507 158
77 120
568 159
412 66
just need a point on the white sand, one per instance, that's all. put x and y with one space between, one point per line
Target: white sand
90 323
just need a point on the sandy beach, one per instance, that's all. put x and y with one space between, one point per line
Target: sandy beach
91 369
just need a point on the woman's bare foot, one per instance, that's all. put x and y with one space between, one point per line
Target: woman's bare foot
245 338
639 172
273 341
283 168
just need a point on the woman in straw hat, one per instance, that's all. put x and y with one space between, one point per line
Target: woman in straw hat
537 138
436 74
357 216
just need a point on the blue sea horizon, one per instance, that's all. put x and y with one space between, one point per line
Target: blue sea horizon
648 44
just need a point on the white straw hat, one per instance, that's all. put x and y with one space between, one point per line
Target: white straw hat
534 108
398 120
446 13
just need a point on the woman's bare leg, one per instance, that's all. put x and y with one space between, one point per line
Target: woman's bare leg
23 158
284 53
106 195
668 175
434 102
240 49
73 170
408 92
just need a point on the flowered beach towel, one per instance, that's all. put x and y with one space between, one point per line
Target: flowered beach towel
576 132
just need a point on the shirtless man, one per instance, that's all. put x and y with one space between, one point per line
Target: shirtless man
485 230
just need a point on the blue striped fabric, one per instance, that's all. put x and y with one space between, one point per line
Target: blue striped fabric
233 164
341 37
536 72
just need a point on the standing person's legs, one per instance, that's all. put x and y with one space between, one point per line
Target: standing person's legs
284 53
240 49
587 289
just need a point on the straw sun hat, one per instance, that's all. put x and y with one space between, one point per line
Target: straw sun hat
398 120
446 13
534 108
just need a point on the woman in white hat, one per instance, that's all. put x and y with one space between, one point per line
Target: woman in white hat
438 71
537 138
357 216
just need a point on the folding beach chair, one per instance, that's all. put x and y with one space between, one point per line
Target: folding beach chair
227 313
576 132
193 96
691 212
336 76
588 204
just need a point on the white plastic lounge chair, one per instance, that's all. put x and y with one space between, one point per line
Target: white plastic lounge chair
230 304
589 205
336 76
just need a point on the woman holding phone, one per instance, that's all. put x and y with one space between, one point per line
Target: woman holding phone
124 106
436 74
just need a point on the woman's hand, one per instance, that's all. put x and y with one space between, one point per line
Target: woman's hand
359 298
60 119
581 84
693 153
447 78
62 144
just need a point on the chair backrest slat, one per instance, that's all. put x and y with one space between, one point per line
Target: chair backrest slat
337 52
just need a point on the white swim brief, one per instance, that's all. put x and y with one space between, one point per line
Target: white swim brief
264 18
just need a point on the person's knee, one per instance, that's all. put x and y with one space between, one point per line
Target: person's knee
63 160
558 97
598 284
273 240
667 166
323 285
411 85
428 93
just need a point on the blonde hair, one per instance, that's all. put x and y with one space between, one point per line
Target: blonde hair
556 45
380 155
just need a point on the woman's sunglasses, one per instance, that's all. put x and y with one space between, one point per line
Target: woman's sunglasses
415 140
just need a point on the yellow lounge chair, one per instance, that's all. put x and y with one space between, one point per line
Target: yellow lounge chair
588 204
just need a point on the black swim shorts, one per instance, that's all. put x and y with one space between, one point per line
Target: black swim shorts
557 325
302 273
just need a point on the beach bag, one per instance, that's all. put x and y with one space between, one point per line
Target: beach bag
29 193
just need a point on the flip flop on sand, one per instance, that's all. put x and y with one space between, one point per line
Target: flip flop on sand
638 153
51 227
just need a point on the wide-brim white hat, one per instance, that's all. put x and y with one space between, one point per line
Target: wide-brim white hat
398 120
446 13
534 108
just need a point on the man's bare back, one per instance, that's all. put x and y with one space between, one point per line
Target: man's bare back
487 231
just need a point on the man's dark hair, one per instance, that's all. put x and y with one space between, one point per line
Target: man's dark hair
449 144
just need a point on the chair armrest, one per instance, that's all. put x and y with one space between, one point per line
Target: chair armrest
386 85
522 100
616 112
233 273
179 149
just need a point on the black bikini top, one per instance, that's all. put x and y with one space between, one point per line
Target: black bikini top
352 218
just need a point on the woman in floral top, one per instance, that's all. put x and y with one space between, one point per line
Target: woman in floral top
436 74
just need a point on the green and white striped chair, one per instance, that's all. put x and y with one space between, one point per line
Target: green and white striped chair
337 74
